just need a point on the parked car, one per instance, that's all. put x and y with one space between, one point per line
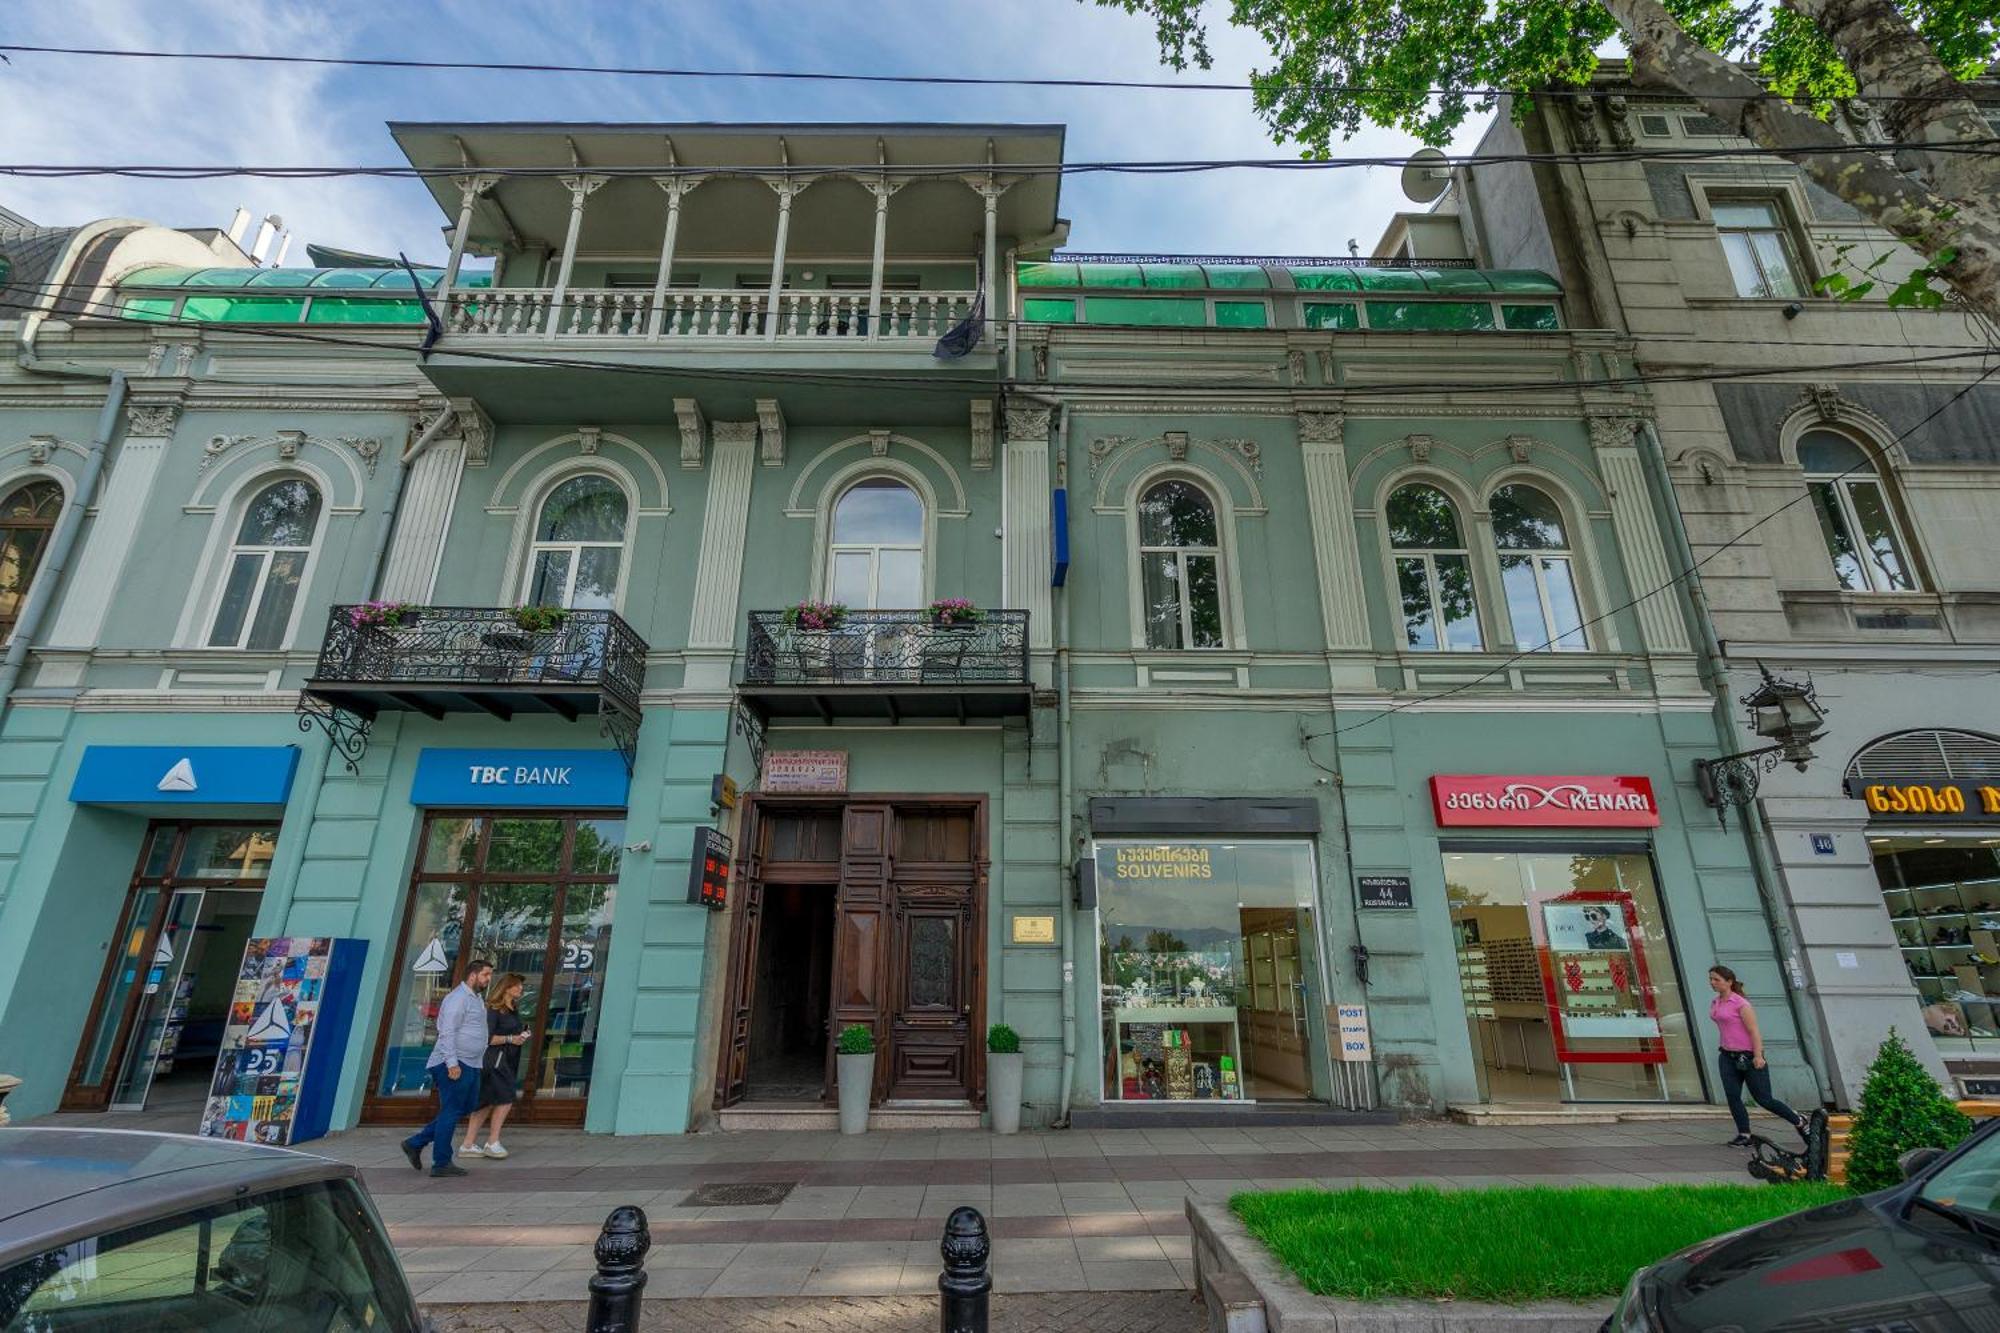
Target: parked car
1922 1255
116 1231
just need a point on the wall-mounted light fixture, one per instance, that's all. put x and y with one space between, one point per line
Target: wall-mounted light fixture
1783 712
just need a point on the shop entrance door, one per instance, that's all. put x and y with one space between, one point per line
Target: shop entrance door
531 894
156 1022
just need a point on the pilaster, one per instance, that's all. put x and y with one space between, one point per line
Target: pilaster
1639 544
1026 524
718 577
429 493
1336 549
121 507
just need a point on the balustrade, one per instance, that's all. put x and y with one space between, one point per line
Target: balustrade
611 313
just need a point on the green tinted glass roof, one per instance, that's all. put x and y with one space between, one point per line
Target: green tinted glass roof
294 279
1221 273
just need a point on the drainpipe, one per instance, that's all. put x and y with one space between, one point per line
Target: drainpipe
1065 783
62 540
1756 832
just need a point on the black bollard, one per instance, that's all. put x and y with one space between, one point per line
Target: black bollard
618 1286
965 1286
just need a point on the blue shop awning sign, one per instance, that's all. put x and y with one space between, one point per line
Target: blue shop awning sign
171 775
571 778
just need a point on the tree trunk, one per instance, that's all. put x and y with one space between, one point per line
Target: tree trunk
1946 204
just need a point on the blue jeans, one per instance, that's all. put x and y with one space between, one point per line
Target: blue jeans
1759 1081
456 1097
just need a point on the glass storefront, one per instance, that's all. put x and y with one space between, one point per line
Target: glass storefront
1570 987
531 894
1942 893
1209 971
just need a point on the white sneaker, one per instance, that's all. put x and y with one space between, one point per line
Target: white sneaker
495 1150
472 1150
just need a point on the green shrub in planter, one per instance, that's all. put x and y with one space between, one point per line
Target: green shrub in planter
1002 1040
1902 1107
538 619
857 1039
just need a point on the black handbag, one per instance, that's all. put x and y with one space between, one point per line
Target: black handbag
1743 1060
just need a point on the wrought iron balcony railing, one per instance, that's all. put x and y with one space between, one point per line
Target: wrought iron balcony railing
447 659
888 648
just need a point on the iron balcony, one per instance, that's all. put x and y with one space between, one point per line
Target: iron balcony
888 664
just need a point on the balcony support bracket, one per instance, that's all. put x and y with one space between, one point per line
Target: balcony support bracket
347 730
622 726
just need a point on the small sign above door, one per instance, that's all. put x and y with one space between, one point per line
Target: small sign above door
806 772
1385 891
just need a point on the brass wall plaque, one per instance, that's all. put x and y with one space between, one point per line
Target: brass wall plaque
1034 930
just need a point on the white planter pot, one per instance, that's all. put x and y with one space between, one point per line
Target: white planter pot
1003 1091
856 1076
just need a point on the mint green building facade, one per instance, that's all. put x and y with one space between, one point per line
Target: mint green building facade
1260 549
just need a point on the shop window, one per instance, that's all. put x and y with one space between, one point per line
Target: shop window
27 518
1537 570
579 545
1567 969
1758 245
1180 566
531 894
1433 572
1209 972
266 566
1856 516
875 560
1942 893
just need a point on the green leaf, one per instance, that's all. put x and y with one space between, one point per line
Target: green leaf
1902 1107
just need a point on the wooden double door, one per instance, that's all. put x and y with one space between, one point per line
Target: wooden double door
907 878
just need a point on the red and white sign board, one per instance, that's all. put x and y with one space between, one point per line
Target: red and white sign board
1506 800
811 772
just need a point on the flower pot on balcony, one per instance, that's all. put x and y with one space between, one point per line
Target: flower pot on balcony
856 1075
1003 1090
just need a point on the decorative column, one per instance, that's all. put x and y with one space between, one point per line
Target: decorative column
1639 545
677 188
1026 522
1336 549
989 190
107 544
580 188
881 188
469 190
788 189
718 575
430 493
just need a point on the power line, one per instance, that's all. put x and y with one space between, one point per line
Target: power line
1984 147
842 76
1871 458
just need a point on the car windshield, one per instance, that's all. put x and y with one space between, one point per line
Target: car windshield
1972 1183
305 1259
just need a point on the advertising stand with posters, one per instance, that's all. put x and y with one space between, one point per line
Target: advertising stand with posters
279 1066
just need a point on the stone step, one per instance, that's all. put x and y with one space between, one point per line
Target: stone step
1582 1113
813 1116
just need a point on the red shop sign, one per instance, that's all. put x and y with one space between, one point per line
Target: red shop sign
1506 800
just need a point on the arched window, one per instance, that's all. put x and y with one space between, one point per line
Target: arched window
1180 566
266 565
1433 572
27 516
875 560
579 545
1855 516
1537 570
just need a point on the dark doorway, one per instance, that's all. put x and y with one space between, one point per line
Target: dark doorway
788 1025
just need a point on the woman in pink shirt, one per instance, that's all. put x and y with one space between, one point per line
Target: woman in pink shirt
1741 1059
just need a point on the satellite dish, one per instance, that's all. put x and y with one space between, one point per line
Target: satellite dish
1426 175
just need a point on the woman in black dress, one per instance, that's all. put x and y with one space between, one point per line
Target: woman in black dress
506 1032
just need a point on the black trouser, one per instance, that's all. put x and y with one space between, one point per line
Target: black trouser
1759 1081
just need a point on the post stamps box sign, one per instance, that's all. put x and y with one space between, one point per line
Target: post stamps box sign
806 772
1351 1025
575 779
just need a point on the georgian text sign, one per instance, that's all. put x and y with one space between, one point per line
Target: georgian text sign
1507 800
809 772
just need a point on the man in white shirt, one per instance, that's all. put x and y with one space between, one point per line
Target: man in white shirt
454 1068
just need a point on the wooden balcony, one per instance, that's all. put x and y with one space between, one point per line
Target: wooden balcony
466 659
890 665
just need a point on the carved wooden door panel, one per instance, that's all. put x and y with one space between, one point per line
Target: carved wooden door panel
861 924
734 1064
930 1042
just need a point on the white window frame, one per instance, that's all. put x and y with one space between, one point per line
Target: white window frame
1787 201
1216 552
1840 484
575 550
874 550
233 547
1546 639
1428 554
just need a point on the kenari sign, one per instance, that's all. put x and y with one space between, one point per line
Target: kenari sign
1508 800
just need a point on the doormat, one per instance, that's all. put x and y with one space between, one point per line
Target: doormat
737 1196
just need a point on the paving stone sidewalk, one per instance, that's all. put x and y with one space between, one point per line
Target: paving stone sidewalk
1054 1312
1070 1211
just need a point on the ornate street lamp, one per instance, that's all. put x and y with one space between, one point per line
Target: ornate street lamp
1783 712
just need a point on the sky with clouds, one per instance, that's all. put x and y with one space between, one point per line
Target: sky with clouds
75 110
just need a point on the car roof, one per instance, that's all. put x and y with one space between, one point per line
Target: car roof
65 1183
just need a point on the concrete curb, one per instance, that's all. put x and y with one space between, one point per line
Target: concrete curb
1226 1255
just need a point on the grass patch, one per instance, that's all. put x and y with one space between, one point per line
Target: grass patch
1502 1245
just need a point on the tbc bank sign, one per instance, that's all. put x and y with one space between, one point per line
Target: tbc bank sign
575 778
